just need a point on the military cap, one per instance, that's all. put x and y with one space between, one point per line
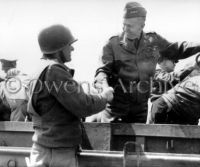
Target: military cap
134 9
8 64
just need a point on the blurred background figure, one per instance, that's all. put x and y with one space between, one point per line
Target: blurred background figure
8 64
13 90
179 105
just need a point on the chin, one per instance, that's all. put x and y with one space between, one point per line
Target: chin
130 36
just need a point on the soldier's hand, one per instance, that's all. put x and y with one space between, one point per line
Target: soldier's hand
100 82
101 85
108 93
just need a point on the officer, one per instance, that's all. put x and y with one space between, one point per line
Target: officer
57 112
128 63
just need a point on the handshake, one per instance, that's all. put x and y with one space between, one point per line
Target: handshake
107 93
103 88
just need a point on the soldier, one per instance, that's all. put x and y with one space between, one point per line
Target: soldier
165 77
7 64
15 99
180 105
5 110
129 62
57 112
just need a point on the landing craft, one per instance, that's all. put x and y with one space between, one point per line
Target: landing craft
113 144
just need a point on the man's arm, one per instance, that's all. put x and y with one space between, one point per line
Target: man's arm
72 96
177 50
106 69
172 77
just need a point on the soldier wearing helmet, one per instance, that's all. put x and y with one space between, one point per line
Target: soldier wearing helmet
57 112
55 41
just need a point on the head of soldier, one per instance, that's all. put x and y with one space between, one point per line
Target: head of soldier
56 43
134 20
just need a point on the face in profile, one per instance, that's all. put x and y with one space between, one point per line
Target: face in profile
67 52
133 27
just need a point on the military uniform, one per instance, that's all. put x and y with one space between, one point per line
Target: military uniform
56 113
163 81
179 105
130 65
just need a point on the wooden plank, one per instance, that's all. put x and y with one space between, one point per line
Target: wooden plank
106 136
16 126
172 145
141 141
179 131
176 131
96 136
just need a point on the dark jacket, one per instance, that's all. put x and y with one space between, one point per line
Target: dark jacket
163 81
184 100
57 110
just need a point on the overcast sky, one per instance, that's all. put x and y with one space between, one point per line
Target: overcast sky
93 22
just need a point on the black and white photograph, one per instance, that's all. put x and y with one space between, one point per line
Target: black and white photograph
99 83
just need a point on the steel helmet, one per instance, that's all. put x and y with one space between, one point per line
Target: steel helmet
54 38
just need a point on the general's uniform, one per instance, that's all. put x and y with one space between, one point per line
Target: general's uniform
130 65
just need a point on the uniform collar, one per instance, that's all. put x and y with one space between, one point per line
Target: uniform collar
123 40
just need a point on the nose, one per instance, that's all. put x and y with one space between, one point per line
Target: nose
72 48
127 28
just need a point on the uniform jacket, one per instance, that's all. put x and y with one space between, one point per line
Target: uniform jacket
136 62
184 99
163 81
57 111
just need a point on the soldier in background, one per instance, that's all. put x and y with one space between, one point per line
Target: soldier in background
5 110
179 105
7 64
13 90
165 77
129 62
